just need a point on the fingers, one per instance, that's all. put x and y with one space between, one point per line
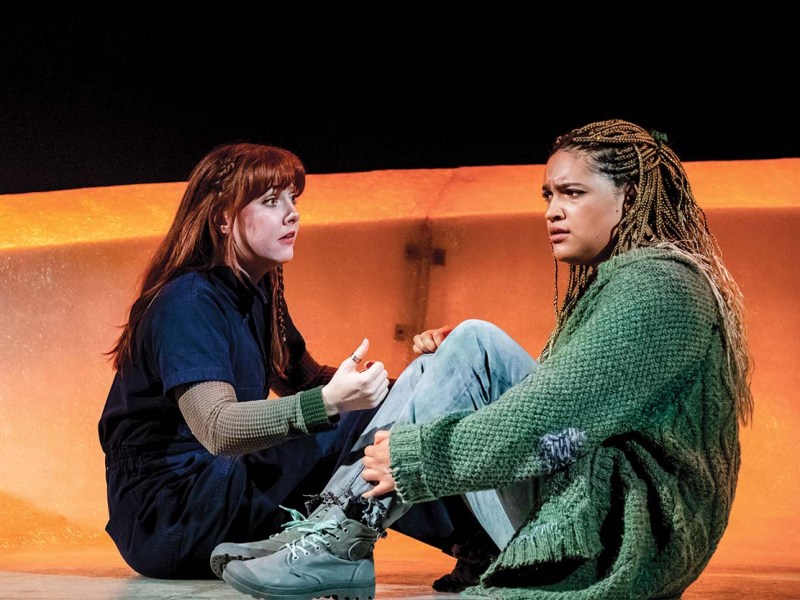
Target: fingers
376 371
352 388
373 367
361 350
441 333
424 343
429 340
375 379
377 465
382 435
381 477
377 453
383 374
383 487
382 392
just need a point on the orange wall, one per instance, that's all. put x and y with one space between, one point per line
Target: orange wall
69 262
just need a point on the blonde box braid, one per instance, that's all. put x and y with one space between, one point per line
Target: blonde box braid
663 213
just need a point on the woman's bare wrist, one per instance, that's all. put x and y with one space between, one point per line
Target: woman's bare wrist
330 408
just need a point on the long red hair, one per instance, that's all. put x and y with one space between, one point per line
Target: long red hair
222 183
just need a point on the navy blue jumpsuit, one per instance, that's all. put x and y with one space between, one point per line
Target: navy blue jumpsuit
170 501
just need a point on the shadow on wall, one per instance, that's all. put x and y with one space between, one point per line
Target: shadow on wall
432 247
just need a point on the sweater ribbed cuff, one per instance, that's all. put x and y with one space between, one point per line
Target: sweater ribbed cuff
405 449
313 408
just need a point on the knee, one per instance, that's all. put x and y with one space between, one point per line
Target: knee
484 332
411 373
417 367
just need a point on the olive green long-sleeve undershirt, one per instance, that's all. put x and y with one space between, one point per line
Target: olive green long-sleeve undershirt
226 426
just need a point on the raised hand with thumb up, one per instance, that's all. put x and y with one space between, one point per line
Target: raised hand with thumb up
351 389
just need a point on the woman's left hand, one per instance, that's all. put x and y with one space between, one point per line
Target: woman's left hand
376 466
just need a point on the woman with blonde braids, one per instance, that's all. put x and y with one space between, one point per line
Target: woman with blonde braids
195 453
607 468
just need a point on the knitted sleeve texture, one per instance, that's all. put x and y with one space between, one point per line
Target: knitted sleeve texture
632 343
228 427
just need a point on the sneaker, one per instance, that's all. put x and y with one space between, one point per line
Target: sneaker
333 557
230 551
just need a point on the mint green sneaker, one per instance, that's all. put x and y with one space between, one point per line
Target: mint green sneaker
230 551
333 557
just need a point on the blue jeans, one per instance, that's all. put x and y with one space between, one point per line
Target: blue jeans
473 367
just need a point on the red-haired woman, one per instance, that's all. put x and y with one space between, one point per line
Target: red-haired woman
195 453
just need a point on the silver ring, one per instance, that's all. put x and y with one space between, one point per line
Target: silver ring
355 358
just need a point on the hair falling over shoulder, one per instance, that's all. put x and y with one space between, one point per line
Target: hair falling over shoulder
221 184
664 212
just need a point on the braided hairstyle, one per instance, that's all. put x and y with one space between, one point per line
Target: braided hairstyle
222 183
663 213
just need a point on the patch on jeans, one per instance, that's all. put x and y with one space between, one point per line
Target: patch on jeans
557 450
368 511
317 500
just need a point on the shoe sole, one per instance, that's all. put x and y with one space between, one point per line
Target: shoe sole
341 591
219 562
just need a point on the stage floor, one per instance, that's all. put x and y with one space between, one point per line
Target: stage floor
19 585
405 569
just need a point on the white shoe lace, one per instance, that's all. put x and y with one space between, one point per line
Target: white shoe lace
313 537
297 518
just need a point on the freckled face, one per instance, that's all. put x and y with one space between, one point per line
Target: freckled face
583 208
264 232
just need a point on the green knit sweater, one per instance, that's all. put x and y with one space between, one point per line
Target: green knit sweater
629 426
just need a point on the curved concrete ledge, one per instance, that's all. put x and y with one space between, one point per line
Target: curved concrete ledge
381 254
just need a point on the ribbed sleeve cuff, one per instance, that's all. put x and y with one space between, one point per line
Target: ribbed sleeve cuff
405 450
313 408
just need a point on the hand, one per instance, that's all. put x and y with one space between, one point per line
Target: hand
376 466
428 341
351 389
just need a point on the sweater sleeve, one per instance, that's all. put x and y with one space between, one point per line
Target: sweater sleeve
632 343
228 427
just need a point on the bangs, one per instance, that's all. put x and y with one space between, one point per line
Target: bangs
271 168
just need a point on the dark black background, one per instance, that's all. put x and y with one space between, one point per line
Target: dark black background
92 99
